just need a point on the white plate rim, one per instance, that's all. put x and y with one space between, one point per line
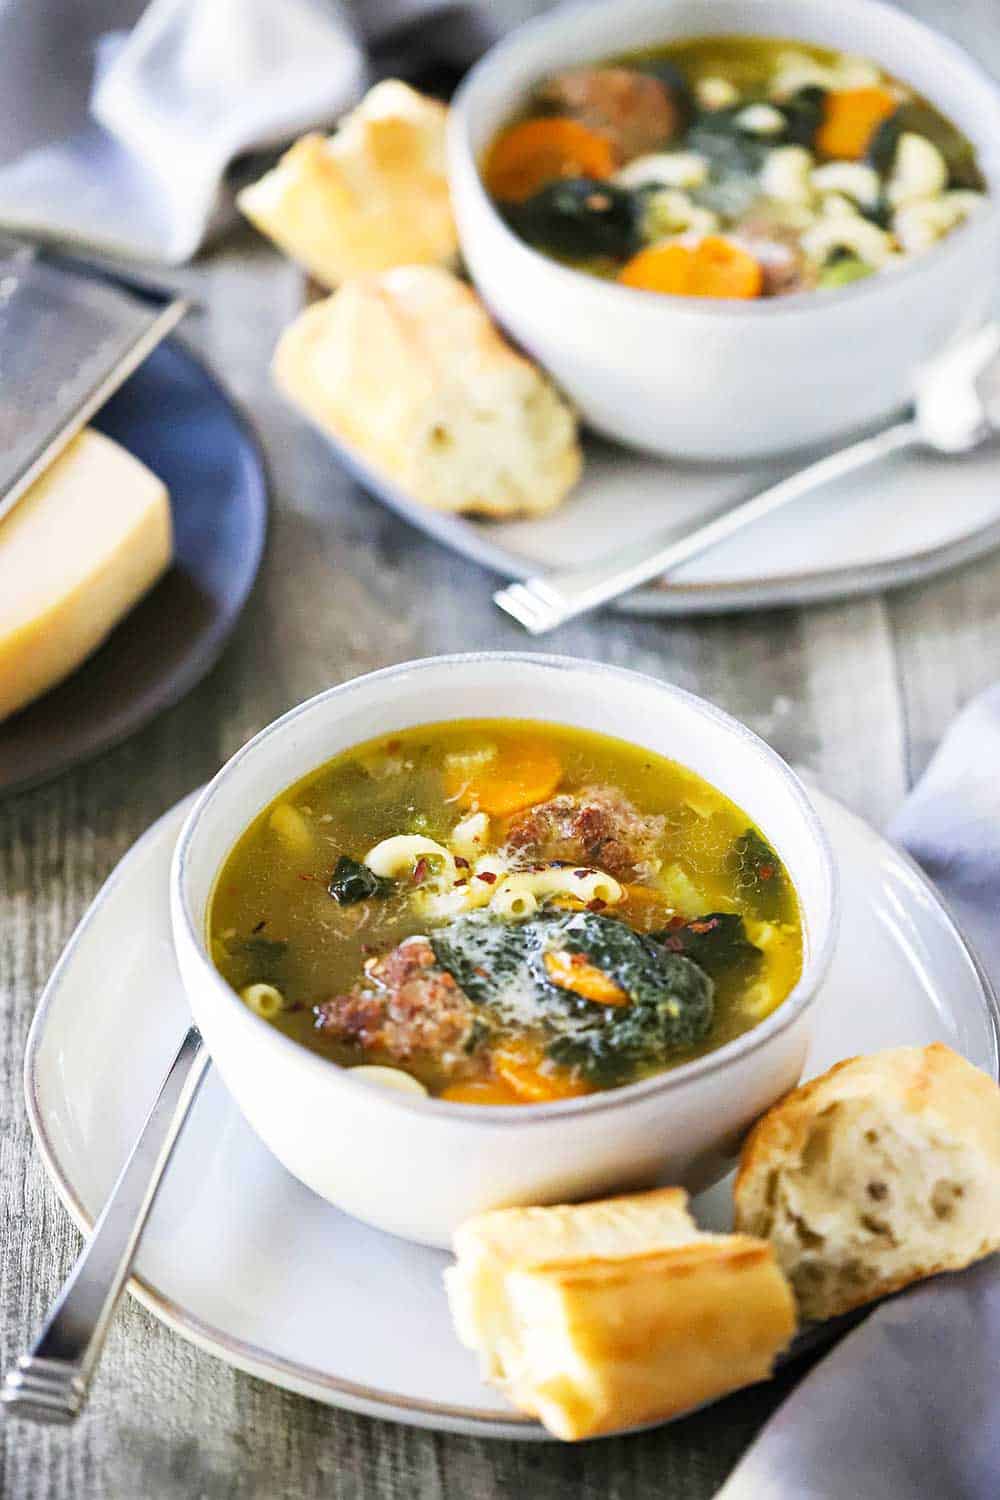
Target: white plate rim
289 1374
460 535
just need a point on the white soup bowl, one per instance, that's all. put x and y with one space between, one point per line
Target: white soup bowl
417 1166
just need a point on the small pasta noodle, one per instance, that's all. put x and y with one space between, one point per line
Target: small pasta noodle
266 1000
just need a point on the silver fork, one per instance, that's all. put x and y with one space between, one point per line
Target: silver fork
50 1382
956 408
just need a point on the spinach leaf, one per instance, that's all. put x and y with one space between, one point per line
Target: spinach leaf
484 956
579 217
717 943
759 874
352 881
499 963
803 114
262 957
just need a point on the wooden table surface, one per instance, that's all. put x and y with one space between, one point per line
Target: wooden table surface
858 693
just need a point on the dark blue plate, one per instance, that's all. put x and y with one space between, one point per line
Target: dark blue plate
174 416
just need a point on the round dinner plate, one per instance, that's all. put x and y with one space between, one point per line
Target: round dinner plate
174 416
244 1261
908 518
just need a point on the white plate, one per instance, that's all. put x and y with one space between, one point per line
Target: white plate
244 1261
899 521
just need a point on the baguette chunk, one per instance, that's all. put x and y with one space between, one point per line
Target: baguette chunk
884 1170
408 370
373 195
602 1316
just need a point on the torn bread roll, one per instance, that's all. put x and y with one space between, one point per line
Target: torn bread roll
407 369
600 1316
883 1171
373 195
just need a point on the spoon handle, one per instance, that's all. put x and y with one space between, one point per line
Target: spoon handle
547 600
50 1382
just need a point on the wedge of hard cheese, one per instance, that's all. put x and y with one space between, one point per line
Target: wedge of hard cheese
78 551
600 1316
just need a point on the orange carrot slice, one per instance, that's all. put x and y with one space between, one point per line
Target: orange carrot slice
527 156
714 267
850 118
519 1064
571 971
481 1091
522 773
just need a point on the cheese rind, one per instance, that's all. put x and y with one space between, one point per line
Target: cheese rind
86 542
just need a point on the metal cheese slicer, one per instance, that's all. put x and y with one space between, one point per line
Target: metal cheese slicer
67 341
956 407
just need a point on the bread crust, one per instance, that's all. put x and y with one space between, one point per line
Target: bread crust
939 1110
602 1316
404 366
373 195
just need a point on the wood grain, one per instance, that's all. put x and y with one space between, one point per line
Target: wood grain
858 693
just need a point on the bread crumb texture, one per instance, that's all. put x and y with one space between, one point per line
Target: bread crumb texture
373 195
407 369
884 1170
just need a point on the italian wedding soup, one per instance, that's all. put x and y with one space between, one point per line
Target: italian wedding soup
506 912
734 167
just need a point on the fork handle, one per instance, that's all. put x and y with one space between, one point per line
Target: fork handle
50 1382
543 602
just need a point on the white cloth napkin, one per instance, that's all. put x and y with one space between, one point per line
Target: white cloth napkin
908 1405
121 118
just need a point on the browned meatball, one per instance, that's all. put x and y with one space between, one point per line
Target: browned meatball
595 826
407 1006
633 109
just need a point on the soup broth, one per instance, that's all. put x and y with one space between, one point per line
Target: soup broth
735 167
507 912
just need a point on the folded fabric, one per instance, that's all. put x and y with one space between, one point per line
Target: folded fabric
118 140
908 1405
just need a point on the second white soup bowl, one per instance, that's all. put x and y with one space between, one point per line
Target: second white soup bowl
416 1166
703 378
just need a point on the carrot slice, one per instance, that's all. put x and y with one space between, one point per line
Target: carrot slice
850 118
527 156
714 267
481 1091
522 773
519 1064
571 971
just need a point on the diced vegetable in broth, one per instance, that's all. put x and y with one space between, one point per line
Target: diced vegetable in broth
732 167
506 912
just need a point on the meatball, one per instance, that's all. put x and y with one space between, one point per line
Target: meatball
595 826
404 1008
634 110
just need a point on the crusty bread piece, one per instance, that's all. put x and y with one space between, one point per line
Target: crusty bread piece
408 370
371 196
599 1316
885 1170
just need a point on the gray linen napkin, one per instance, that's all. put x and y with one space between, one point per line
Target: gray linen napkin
907 1407
121 116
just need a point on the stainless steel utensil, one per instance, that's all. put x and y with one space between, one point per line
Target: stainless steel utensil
956 408
67 342
50 1382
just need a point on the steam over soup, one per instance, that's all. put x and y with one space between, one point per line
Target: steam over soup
734 167
506 912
